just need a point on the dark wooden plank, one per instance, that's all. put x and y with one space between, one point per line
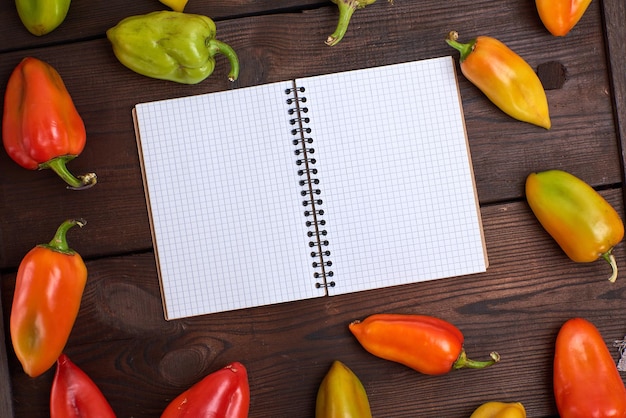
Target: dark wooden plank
91 18
614 18
282 46
6 399
141 361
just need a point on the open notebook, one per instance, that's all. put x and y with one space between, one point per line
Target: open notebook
316 186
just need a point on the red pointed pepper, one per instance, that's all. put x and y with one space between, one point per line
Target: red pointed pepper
586 383
41 127
426 344
48 291
221 394
75 395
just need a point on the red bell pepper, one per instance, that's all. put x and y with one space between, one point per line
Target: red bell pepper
48 291
41 127
221 394
586 383
75 395
426 344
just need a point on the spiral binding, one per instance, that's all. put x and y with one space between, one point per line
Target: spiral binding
311 192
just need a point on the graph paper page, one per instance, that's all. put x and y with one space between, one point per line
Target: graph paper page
396 175
227 221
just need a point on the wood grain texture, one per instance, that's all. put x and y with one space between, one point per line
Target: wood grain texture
140 361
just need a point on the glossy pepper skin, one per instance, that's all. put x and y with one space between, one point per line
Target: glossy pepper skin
500 410
41 127
504 77
426 344
170 45
341 395
48 291
75 395
346 10
586 381
579 219
42 16
221 394
560 16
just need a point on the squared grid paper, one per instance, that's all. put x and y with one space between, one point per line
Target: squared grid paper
228 225
396 175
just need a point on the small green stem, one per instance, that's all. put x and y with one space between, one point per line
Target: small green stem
216 46
59 242
346 10
58 165
610 258
464 49
464 363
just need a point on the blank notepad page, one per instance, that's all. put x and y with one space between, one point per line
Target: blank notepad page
227 222
397 178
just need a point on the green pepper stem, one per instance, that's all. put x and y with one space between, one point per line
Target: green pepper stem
59 242
464 49
464 363
58 165
216 46
346 10
610 258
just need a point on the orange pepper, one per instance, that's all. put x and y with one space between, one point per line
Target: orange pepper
579 219
48 291
586 381
560 16
504 77
41 127
426 344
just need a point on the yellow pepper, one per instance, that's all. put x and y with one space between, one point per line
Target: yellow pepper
341 395
500 410
580 220
504 77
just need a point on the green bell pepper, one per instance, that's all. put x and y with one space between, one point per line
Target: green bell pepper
169 45
42 16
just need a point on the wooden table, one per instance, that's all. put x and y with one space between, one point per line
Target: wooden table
140 361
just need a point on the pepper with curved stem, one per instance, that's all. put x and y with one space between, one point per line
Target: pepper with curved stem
48 291
424 343
346 10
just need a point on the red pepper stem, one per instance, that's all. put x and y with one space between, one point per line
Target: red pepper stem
610 258
216 46
464 49
464 363
59 242
58 165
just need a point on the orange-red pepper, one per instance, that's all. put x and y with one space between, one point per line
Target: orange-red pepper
586 381
221 394
560 16
75 395
504 77
41 127
426 344
48 291
579 219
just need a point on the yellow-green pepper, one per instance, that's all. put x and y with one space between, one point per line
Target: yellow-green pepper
170 45
500 410
579 219
341 395
42 16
